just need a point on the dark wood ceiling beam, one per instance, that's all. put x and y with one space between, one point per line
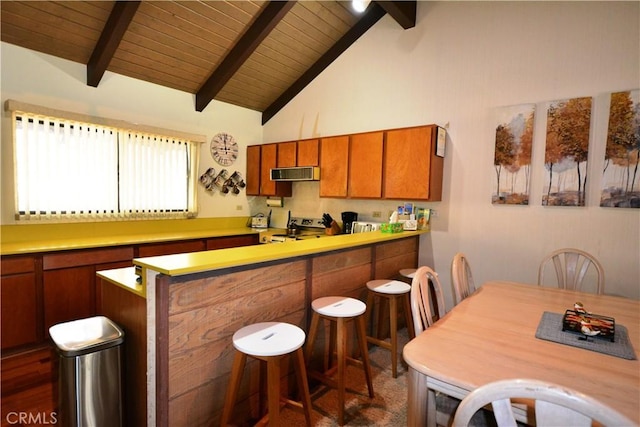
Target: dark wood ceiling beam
250 40
117 24
404 12
368 20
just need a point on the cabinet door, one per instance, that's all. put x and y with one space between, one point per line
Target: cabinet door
411 169
268 160
253 170
334 158
19 310
286 154
365 165
308 152
69 294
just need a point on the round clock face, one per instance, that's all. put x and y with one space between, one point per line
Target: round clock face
224 149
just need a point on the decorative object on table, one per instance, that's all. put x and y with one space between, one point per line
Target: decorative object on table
617 182
550 329
566 152
512 158
224 149
589 325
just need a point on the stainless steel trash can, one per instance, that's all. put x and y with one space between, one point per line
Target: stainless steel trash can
90 374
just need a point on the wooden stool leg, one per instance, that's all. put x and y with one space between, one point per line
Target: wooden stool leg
408 317
393 324
362 338
301 373
313 331
341 344
273 381
234 384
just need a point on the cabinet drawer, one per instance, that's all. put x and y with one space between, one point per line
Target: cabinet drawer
86 257
16 265
171 248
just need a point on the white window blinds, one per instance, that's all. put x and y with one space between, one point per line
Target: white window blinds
72 169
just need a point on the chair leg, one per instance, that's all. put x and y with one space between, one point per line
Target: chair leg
273 381
301 373
341 344
362 338
393 324
313 331
408 318
234 384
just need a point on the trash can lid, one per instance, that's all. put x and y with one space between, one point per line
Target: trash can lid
86 336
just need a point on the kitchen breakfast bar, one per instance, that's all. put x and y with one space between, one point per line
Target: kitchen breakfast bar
179 321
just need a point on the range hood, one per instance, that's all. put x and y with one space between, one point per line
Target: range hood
301 173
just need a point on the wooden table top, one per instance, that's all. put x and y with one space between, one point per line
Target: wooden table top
490 336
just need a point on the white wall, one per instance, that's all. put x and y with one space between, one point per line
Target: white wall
461 62
35 78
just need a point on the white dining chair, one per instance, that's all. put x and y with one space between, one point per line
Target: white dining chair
554 405
462 278
571 266
422 308
422 311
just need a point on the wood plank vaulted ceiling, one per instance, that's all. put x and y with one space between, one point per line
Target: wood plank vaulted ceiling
250 53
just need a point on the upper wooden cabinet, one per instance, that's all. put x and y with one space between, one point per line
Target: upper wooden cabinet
260 160
308 152
334 155
411 168
253 170
287 154
365 165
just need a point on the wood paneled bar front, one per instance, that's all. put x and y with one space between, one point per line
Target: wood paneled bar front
193 303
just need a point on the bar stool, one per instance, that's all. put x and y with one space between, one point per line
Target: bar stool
340 310
408 272
392 291
269 342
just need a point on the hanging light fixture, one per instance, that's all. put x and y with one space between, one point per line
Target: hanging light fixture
360 5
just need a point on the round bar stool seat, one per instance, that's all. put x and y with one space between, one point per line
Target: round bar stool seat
340 310
392 291
269 342
409 273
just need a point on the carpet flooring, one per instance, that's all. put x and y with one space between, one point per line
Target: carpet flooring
387 408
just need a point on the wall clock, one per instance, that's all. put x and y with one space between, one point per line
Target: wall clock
224 149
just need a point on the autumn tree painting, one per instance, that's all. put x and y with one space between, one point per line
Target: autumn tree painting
620 186
512 158
566 152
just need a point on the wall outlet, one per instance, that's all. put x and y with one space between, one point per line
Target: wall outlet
238 207
377 214
434 213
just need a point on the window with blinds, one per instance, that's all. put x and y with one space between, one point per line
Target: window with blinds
72 169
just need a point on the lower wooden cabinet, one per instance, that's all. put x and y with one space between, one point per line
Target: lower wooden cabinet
20 300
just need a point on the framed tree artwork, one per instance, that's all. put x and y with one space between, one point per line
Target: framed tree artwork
566 152
512 158
620 187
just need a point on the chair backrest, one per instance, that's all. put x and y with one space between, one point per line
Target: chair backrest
421 303
554 405
571 266
462 278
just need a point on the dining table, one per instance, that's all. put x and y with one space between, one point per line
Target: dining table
491 336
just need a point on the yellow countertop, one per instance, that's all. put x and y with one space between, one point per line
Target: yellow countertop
33 238
195 262
125 278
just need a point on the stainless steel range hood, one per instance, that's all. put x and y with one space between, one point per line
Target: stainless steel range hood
301 173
